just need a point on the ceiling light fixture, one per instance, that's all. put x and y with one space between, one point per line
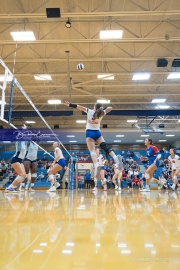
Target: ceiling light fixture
141 76
170 135
132 121
162 140
162 107
72 141
139 140
103 101
80 121
54 101
174 75
70 136
43 77
23 36
158 100
8 78
145 135
111 34
119 135
105 76
117 140
68 23
30 122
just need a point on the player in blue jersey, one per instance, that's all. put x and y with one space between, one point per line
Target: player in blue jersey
153 156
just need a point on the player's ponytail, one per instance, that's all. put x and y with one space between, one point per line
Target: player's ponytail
98 111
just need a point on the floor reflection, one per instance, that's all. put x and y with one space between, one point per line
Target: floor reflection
85 230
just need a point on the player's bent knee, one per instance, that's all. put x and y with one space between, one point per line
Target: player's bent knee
147 176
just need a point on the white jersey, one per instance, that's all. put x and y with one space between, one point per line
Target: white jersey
58 152
100 160
32 151
93 124
20 150
175 162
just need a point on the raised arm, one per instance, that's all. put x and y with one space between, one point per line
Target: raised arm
108 109
81 108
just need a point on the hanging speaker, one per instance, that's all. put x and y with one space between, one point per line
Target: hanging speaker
56 126
105 126
162 62
53 12
176 63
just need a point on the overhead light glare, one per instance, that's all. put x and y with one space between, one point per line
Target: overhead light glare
70 244
70 136
43 244
72 141
132 121
8 78
117 140
106 76
30 122
125 251
54 101
170 135
174 75
120 136
158 100
1 102
122 245
145 135
111 34
37 251
43 77
162 140
66 251
139 140
141 76
162 107
80 121
103 101
23 36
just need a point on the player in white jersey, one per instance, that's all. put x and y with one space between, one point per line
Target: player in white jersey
93 133
17 165
174 164
117 176
30 164
58 164
100 160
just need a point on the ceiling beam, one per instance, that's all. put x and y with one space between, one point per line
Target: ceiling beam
79 41
93 14
99 59
105 85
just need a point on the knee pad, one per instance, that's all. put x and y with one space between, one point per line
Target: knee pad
34 175
19 178
51 177
105 148
147 176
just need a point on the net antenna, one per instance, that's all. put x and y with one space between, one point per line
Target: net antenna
7 73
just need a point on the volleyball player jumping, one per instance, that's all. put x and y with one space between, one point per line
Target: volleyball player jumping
153 155
93 133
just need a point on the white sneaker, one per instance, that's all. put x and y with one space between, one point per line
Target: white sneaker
52 189
26 187
145 190
57 184
95 188
119 189
31 189
116 187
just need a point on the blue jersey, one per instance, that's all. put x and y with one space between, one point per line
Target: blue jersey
152 153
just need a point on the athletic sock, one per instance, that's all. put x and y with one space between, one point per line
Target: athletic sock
12 186
173 185
32 184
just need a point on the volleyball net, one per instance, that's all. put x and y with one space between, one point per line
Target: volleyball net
17 108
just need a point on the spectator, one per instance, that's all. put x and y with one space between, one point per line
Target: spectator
124 176
132 154
130 173
137 181
1 175
128 153
130 161
136 173
137 166
87 179
79 180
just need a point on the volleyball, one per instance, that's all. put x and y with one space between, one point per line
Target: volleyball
80 66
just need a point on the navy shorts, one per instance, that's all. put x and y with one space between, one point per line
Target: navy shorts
26 159
15 160
93 134
62 162
102 167
152 162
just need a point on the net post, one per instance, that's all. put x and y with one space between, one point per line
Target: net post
71 174
3 93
